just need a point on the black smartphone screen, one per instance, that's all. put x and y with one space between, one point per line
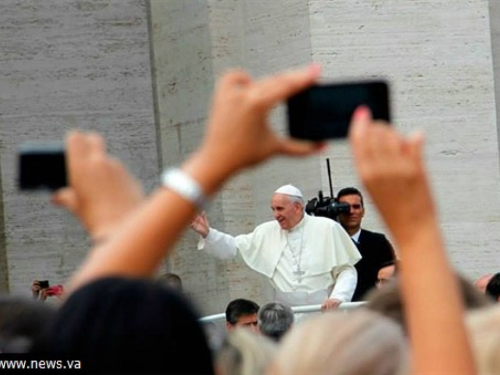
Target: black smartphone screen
42 166
43 284
324 111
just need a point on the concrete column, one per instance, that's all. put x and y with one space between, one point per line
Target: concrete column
68 64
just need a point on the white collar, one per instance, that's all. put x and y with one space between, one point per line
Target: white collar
299 225
355 236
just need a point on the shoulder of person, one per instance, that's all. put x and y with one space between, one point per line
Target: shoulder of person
267 225
374 235
320 220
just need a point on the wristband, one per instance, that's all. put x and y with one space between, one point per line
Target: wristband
183 184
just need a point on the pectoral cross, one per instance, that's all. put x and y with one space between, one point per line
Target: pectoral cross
298 275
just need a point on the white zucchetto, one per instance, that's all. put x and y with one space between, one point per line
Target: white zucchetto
289 190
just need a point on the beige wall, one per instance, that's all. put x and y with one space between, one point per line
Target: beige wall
68 64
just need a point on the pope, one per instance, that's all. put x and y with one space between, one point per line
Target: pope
308 259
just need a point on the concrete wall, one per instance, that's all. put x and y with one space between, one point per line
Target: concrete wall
93 65
64 65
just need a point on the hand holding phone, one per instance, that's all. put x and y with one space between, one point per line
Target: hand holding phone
324 111
43 284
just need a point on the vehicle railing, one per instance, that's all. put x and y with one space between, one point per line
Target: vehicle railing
296 309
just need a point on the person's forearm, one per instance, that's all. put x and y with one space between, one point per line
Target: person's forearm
345 284
433 305
146 228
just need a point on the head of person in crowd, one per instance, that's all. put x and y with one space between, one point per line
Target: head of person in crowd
172 280
386 273
287 204
242 312
127 325
351 221
244 353
484 327
37 288
482 282
41 290
275 319
493 287
22 323
357 343
387 300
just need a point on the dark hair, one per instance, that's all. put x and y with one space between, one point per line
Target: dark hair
493 287
171 280
118 325
393 262
240 307
275 319
22 323
350 191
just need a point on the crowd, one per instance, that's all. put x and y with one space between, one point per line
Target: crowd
115 319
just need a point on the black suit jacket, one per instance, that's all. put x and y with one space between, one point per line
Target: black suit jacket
376 250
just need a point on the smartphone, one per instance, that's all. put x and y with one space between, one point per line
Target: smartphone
324 111
42 165
43 284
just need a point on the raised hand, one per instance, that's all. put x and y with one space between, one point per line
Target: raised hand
101 191
238 134
391 167
392 170
200 224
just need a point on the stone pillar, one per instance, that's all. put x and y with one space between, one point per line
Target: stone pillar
65 65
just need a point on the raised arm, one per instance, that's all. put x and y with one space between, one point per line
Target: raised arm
101 193
200 224
238 136
391 167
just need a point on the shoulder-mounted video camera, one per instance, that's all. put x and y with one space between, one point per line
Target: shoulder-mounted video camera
328 207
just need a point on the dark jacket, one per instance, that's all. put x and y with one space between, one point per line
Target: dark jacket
376 251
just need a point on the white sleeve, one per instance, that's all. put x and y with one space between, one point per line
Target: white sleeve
345 283
218 244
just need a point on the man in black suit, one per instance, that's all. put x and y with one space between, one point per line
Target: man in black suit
375 248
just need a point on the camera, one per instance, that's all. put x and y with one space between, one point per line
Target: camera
326 206
324 111
43 284
42 165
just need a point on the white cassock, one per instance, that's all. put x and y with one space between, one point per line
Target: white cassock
306 265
